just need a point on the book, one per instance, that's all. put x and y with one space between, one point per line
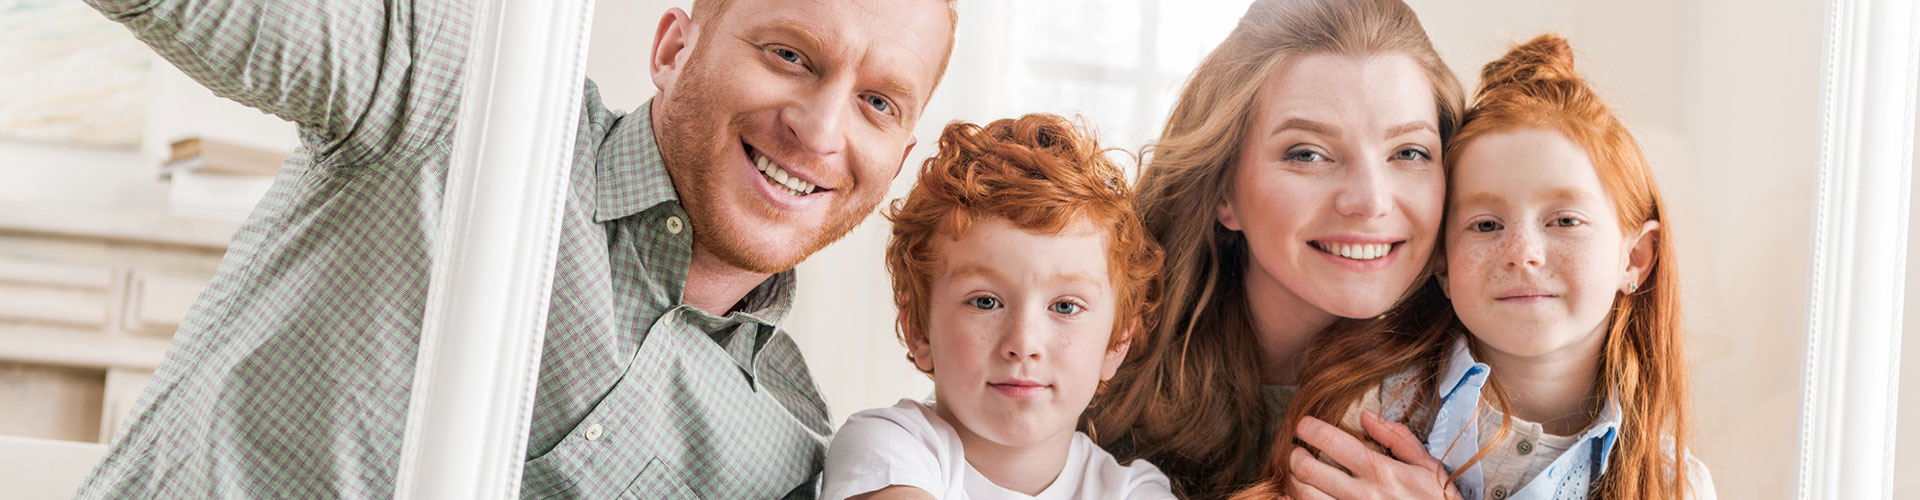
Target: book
220 157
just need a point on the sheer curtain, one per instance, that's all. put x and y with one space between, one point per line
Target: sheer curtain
1117 64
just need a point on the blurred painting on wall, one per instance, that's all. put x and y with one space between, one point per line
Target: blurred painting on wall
69 75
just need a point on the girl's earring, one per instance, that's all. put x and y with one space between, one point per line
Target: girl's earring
1633 286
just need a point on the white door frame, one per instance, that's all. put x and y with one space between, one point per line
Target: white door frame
1872 64
493 258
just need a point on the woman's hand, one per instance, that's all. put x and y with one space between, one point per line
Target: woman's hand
1409 473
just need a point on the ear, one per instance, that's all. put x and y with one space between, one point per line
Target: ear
912 140
917 343
673 41
1641 256
1224 213
1117 353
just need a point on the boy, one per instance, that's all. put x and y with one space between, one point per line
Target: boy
1022 276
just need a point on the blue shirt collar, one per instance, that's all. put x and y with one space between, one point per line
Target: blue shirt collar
1459 388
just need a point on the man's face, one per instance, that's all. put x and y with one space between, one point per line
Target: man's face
784 121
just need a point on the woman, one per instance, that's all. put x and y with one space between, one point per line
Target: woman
1297 186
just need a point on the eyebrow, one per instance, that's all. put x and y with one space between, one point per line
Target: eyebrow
1566 194
1482 198
970 270
1411 127
1558 194
1304 125
808 40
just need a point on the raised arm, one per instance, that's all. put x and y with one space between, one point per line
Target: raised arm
362 78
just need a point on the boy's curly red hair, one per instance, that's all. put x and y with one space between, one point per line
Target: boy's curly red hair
1040 173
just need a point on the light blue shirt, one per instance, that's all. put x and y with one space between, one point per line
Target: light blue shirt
1455 438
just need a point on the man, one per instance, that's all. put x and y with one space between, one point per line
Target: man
778 126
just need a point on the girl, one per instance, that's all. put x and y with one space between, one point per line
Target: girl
1560 373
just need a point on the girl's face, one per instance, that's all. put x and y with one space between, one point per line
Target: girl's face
1535 251
1338 187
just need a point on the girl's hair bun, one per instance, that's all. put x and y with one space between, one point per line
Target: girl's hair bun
1545 58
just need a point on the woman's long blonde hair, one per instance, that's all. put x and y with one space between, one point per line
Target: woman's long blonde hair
1643 365
1190 399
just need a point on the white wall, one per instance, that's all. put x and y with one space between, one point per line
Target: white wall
1906 460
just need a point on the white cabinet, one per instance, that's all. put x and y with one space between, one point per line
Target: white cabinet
89 298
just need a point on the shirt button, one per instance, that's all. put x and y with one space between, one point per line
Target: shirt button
674 225
593 432
1525 447
1499 492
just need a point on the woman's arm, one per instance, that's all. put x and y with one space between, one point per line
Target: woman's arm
1410 473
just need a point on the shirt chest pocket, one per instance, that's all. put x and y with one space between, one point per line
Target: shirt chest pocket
657 482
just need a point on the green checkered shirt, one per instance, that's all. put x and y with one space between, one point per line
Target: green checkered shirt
290 377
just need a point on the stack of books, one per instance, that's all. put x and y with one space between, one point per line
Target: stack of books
216 179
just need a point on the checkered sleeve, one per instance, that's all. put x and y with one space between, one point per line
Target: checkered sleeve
365 79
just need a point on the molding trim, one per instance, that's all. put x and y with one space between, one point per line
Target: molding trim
493 257
1851 375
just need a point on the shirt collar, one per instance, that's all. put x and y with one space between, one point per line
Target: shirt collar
630 175
1463 371
1604 431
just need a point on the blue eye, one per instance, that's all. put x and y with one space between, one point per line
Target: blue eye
879 104
1064 308
1485 226
984 303
1566 222
1411 154
1306 156
786 54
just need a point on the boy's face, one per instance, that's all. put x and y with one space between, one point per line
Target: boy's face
1535 252
1017 332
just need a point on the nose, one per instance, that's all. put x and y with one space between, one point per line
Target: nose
818 121
1522 248
1022 340
1365 193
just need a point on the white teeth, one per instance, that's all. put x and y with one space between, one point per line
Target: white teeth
1368 251
781 178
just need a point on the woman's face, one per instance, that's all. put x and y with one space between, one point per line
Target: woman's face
1338 187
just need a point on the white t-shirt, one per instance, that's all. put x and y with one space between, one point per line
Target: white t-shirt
908 444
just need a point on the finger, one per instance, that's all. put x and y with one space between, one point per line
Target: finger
1303 491
1398 439
1323 478
1343 448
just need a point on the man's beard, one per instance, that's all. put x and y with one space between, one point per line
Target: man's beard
691 145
